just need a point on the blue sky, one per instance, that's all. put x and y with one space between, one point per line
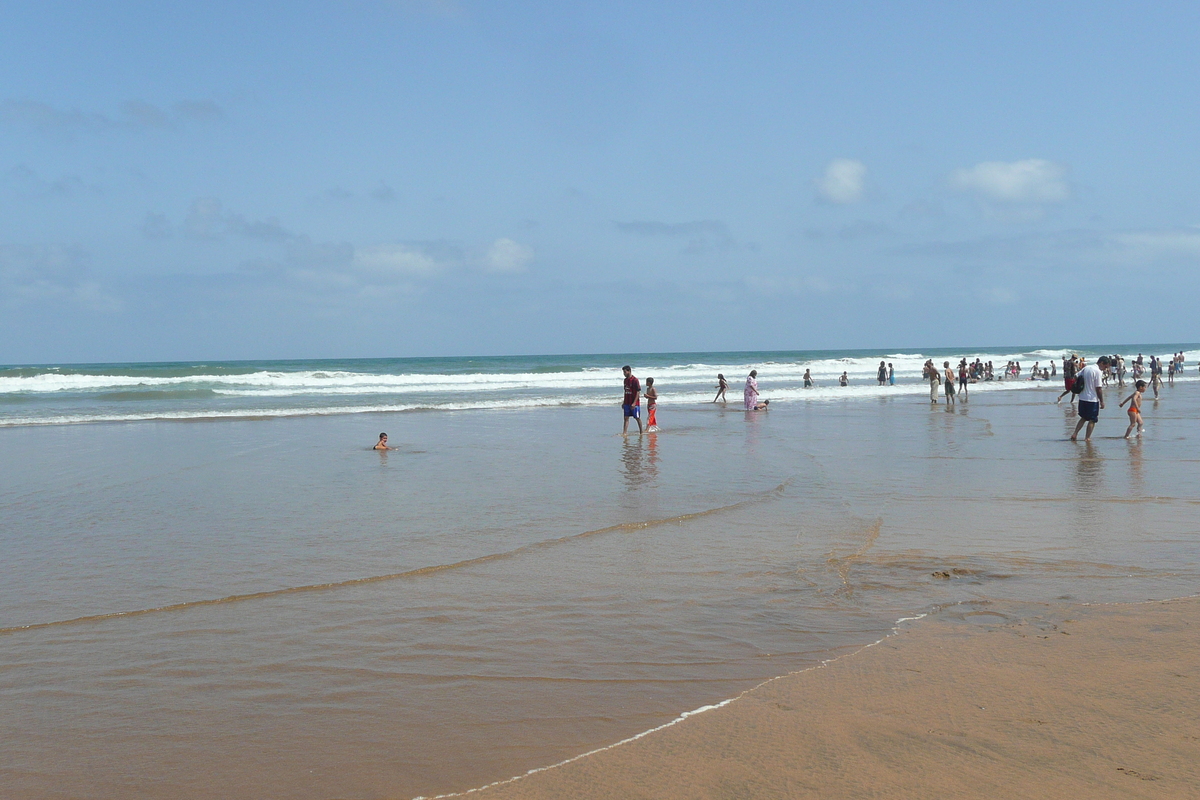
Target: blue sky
292 180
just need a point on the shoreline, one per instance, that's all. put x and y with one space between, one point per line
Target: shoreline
966 700
909 390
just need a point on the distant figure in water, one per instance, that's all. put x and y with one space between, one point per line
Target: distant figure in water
722 385
651 395
882 374
891 374
382 443
808 381
750 396
845 380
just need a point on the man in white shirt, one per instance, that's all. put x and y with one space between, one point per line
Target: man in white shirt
1091 399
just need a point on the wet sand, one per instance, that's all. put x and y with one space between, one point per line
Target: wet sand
1001 699
271 609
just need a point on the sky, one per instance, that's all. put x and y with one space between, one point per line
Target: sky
183 181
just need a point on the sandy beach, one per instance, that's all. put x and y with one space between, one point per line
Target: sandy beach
1001 699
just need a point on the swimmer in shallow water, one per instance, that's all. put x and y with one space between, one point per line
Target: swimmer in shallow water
382 443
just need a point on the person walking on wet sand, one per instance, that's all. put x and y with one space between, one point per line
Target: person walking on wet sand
1135 409
963 378
632 403
1091 399
722 385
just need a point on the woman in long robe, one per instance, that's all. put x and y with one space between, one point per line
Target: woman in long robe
751 394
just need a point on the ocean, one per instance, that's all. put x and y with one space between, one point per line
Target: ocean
213 587
61 394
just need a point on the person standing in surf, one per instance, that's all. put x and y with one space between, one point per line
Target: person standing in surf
651 406
631 404
1091 399
1069 368
949 382
750 395
722 385
891 374
882 374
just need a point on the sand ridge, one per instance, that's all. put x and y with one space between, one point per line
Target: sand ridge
988 700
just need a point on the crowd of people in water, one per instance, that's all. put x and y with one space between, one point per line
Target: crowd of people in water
1083 382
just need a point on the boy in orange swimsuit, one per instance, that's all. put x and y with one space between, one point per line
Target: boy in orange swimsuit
1135 409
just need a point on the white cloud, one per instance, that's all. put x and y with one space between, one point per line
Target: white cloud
844 181
1032 181
505 255
395 260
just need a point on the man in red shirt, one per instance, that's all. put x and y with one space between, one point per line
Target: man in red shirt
632 404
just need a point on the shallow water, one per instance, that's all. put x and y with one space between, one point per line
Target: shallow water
540 586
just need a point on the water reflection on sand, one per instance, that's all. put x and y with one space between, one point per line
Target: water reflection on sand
539 585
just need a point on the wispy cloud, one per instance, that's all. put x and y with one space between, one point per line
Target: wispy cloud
858 230
132 115
208 219
1067 249
844 181
1172 244
51 274
383 193
444 9
26 181
703 235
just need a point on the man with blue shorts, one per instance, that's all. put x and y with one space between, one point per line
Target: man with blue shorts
632 404
1091 399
